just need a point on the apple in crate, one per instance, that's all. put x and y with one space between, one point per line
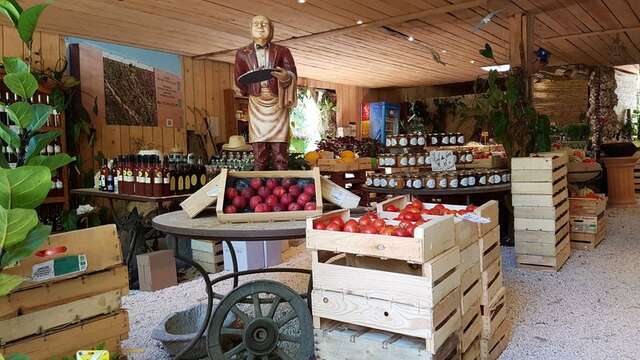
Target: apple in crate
255 201
260 208
303 199
230 209
294 207
310 206
231 193
247 193
272 201
295 190
240 202
279 191
272 184
255 183
286 200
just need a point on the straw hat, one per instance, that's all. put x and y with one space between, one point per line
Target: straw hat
236 143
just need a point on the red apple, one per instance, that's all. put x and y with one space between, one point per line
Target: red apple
272 183
279 191
310 189
247 193
310 206
295 190
294 207
230 194
303 199
262 208
264 191
272 200
286 199
287 183
255 183
254 201
278 208
230 209
239 202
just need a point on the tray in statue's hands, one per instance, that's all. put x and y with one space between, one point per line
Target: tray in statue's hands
255 76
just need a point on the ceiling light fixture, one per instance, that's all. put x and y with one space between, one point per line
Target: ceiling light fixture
444 51
359 22
498 68
411 38
302 1
472 61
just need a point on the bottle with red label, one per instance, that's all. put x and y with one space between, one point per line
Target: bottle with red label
166 175
139 174
157 178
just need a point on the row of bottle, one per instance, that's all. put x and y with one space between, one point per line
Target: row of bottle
145 175
57 185
440 180
420 139
233 160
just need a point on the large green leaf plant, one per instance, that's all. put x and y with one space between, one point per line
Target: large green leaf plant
24 188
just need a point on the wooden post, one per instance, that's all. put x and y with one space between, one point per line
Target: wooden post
521 48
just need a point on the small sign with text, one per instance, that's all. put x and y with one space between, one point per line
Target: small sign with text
442 160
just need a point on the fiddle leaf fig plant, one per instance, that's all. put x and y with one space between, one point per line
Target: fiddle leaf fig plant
24 187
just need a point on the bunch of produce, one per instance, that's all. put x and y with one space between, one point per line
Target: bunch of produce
415 209
269 195
365 147
370 224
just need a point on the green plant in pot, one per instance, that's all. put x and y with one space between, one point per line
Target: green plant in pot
25 187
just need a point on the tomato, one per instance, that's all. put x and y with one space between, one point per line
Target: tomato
410 230
414 217
417 203
391 208
351 226
379 224
333 226
337 220
372 215
413 210
368 229
420 222
321 225
462 212
388 230
471 207
427 212
401 232
365 220
439 206
405 224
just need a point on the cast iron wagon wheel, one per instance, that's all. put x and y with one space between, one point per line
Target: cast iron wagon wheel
257 333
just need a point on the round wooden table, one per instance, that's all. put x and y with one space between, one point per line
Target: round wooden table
621 180
207 227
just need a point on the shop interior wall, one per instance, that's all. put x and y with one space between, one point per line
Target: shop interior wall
565 101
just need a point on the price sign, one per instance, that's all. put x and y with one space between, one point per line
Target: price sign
442 160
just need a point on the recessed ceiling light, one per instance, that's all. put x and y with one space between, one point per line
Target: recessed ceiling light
444 51
498 68
302 1
472 61
359 22
411 38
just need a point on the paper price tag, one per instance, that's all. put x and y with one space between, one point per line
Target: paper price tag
475 218
442 160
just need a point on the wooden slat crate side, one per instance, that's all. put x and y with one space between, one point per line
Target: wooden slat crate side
538 188
470 255
340 341
539 200
551 162
581 241
108 329
36 322
541 249
471 329
430 240
473 351
207 257
588 224
588 206
100 244
544 212
545 263
545 237
61 292
490 248
213 247
471 288
552 225
491 282
493 348
439 277
494 314
338 195
538 175
434 325
200 200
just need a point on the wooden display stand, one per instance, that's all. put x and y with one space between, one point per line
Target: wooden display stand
621 180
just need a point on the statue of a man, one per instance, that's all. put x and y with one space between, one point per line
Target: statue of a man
271 100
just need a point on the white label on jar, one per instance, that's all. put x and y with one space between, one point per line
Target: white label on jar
412 161
453 183
413 141
376 182
59 184
391 161
503 178
464 182
387 142
472 181
369 182
421 140
394 141
392 183
469 157
431 183
409 184
427 160
443 183
417 184
445 140
434 140
461 139
403 142
455 158
383 183
452 139
420 160
508 177
404 161
497 179
381 161
483 180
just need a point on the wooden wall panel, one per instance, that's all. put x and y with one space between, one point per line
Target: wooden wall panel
565 101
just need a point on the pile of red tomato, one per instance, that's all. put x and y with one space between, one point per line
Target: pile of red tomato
369 224
415 209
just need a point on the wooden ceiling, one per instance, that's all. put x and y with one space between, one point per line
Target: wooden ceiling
371 57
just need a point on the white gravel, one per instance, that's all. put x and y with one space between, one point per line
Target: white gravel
589 310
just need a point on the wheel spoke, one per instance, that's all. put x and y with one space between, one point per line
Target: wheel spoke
251 356
231 331
285 320
274 306
283 355
244 317
256 305
235 351
289 338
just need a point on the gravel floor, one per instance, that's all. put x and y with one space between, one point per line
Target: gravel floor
589 310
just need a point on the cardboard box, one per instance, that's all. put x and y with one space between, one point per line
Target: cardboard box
157 270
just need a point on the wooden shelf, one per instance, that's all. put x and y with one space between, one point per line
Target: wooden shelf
55 200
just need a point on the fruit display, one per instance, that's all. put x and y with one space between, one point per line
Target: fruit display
370 224
262 195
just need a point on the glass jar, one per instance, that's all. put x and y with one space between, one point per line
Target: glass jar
391 182
444 139
387 141
506 176
384 181
482 177
417 182
453 139
369 181
464 179
434 139
472 178
394 140
422 140
390 160
403 140
403 160
413 139
427 159
400 181
420 159
497 177
456 156
430 181
382 160
469 156
412 159
376 180
461 139
442 180
452 180
408 182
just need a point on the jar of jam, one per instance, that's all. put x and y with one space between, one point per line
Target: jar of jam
482 177
464 179
403 160
400 181
408 182
453 139
422 140
444 139
413 139
497 177
403 140
394 140
412 159
456 157
472 178
420 159
416 182
391 182
469 156
506 176
369 181
384 181
376 180
427 159
390 160
430 181
442 181
461 139
435 139
387 141
382 160
452 180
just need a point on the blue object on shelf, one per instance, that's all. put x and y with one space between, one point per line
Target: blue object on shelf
384 119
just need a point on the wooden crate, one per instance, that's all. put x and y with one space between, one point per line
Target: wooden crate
465 234
546 237
473 351
492 349
539 188
494 314
545 263
433 325
539 200
588 224
581 241
109 330
541 248
203 198
588 206
490 248
539 169
208 254
471 326
471 287
541 212
270 216
491 282
430 239
342 341
100 245
470 256
390 280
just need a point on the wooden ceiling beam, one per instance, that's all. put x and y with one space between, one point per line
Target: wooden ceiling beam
372 24
590 34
